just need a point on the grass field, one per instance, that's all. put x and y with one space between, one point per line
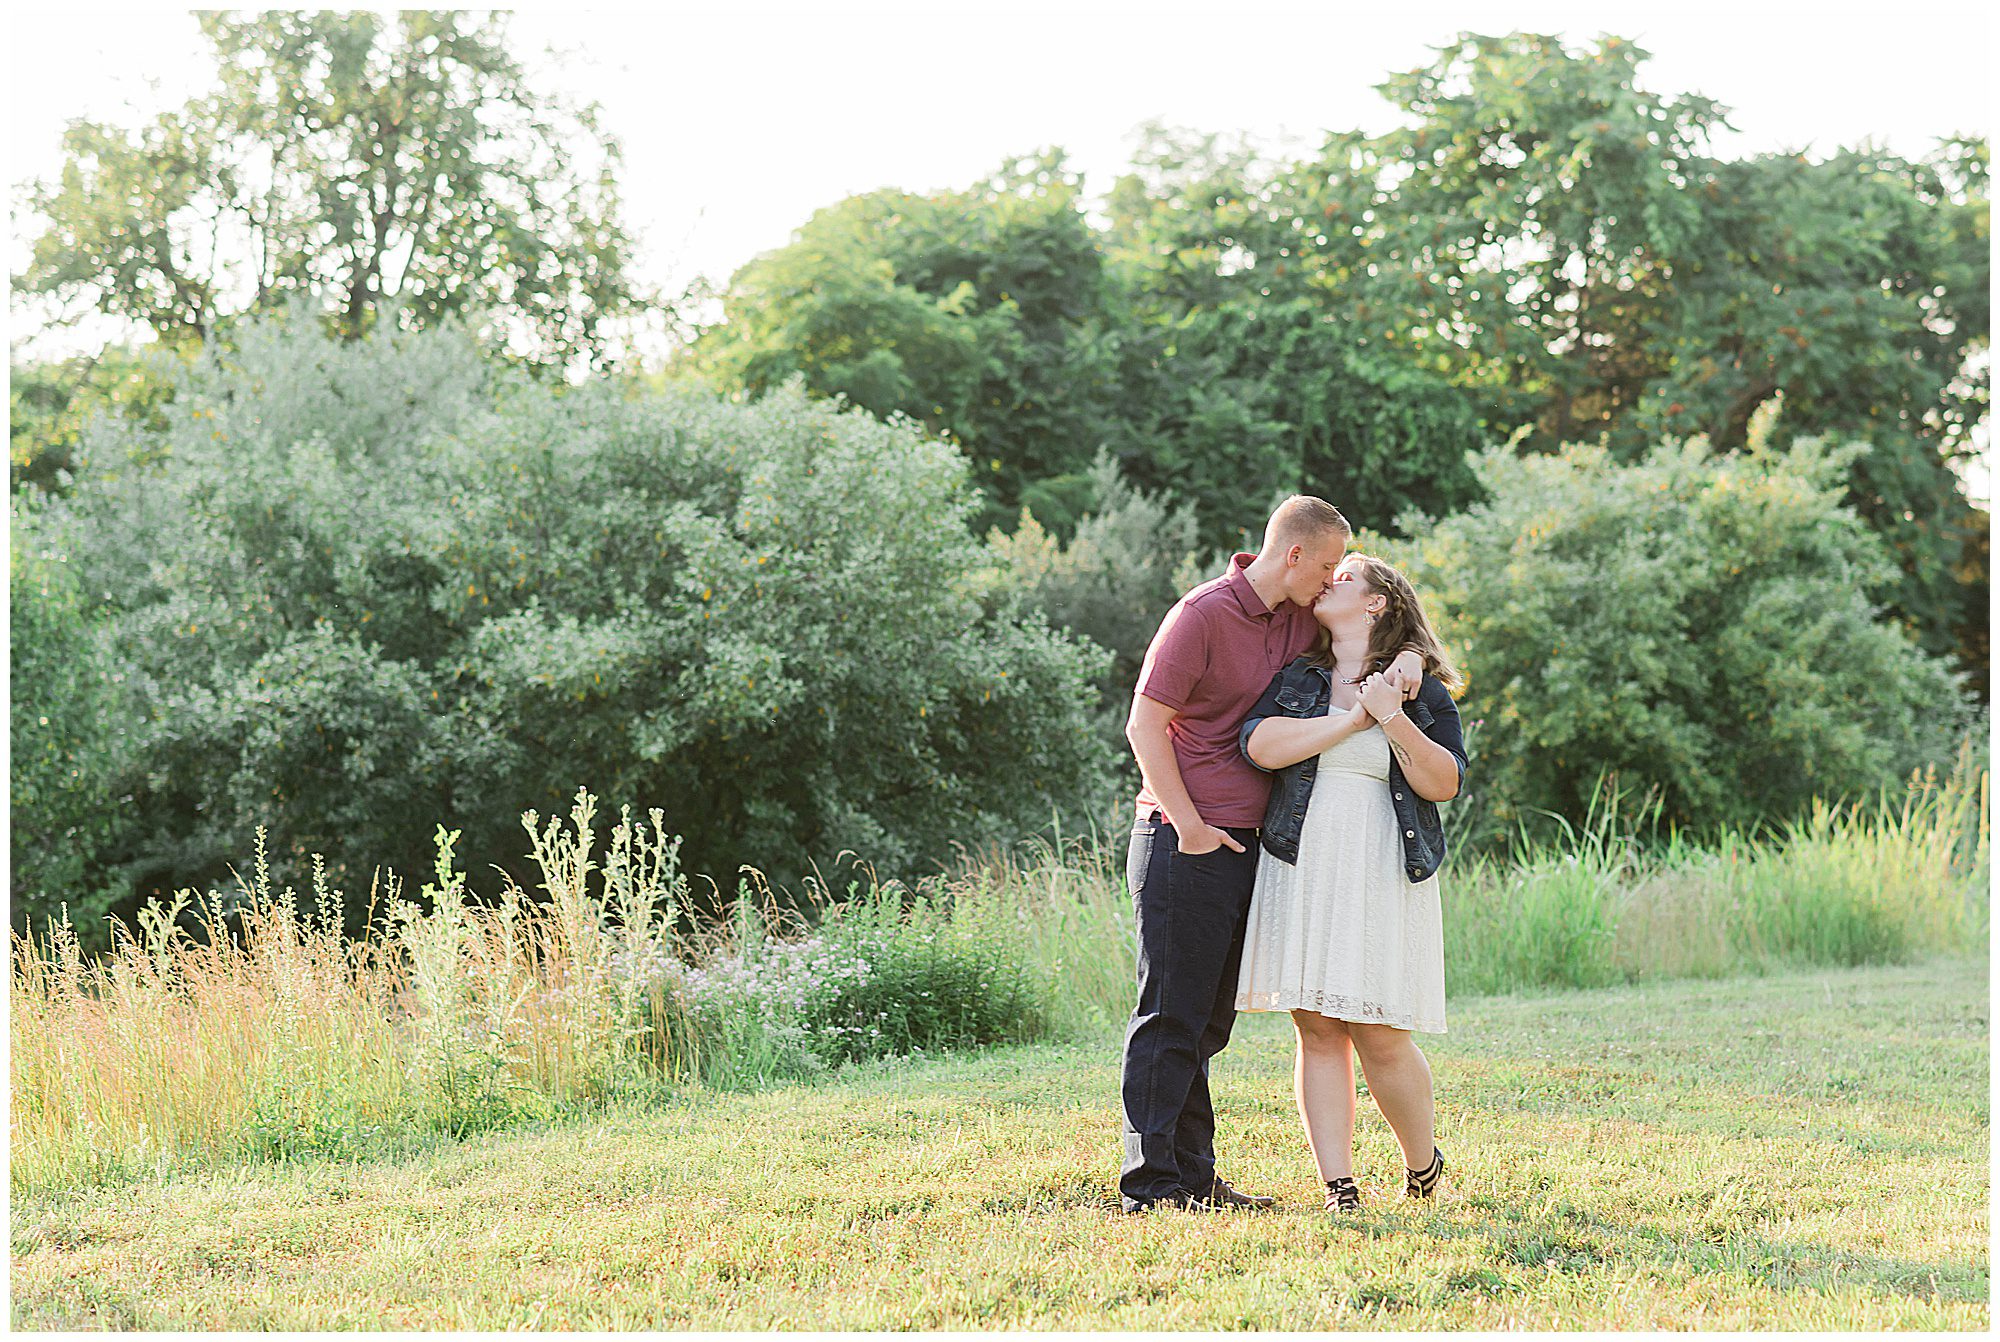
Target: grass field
1804 1151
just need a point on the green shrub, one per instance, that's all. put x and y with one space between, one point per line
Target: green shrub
939 977
68 722
887 972
377 583
1703 626
1120 573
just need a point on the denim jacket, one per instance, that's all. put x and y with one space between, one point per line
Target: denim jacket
1303 690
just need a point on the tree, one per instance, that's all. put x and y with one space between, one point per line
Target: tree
1545 251
1847 299
1557 241
1256 380
1517 231
367 158
1131 557
1000 317
979 314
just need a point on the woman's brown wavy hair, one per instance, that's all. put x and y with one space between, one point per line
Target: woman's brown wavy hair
1402 624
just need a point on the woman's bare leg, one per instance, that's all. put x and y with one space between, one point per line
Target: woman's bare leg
1399 1077
1323 1082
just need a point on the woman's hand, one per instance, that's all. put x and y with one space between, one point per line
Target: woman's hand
1279 742
1382 700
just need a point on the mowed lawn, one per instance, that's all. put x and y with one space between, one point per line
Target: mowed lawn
1805 1151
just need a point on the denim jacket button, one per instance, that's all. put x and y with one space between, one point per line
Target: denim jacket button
1399 796
1409 834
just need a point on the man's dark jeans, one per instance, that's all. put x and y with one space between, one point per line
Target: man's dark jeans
1191 912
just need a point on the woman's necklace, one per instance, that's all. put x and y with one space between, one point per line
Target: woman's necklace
1350 680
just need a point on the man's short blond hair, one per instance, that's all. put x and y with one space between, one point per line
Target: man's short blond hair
1304 520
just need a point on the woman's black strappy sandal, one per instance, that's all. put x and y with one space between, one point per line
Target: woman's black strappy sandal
1423 1183
1343 1195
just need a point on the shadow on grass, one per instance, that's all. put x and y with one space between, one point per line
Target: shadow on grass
1577 1242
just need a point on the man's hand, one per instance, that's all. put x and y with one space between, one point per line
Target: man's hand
1406 673
1207 839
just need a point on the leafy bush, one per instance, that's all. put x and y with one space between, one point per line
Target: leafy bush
888 972
65 714
940 976
1701 625
382 580
48 405
1123 569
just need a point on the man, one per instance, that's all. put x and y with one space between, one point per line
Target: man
1193 859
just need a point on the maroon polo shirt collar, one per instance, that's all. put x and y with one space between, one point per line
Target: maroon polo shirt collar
1239 587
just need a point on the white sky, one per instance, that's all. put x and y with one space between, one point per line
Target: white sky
739 121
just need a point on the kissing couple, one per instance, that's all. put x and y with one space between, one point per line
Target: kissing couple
1295 729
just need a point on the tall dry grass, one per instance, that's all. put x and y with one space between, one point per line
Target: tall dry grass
1868 882
269 1036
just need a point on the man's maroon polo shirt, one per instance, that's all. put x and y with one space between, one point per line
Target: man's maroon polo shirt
1214 654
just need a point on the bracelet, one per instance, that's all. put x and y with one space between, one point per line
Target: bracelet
1391 718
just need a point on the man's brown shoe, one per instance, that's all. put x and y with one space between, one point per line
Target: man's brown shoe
1220 1194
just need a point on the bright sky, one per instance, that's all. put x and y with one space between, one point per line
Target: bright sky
739 121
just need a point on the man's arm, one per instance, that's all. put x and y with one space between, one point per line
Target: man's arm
1146 729
1406 673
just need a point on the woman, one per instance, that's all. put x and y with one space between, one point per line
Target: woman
1345 929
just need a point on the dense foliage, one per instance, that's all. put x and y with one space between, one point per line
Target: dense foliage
1001 317
1703 626
50 403
379 585
976 313
1543 250
352 571
67 818
1128 561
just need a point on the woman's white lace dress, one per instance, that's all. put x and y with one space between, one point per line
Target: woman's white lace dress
1344 932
